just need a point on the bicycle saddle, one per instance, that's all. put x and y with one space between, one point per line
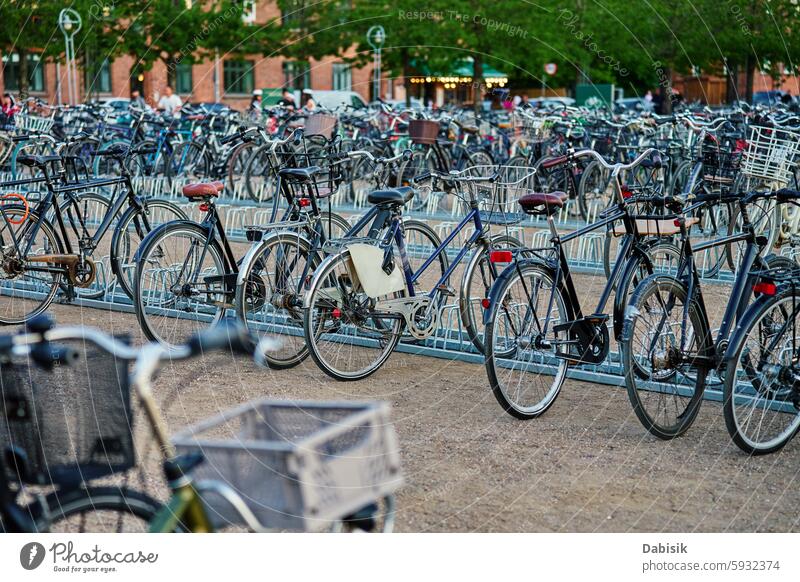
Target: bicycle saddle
37 160
301 174
202 189
392 196
543 203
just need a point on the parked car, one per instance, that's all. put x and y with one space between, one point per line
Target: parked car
633 104
771 98
401 103
118 104
335 99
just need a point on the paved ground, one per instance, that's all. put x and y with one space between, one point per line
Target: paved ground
587 465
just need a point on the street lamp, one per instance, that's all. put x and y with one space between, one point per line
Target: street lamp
376 36
70 23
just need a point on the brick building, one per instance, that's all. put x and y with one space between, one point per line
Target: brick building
229 79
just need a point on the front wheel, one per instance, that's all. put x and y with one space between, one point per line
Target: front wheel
348 335
97 510
761 395
660 350
182 285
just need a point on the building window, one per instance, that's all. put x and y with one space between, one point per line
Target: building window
98 80
292 12
342 77
183 78
297 75
239 77
249 11
11 72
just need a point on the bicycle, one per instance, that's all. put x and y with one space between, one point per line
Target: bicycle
761 393
37 256
361 298
667 345
534 322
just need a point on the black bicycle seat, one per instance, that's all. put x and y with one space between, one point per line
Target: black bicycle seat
392 196
301 174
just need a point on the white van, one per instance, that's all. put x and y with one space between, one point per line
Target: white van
334 99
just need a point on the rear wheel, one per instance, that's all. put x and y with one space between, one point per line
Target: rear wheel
659 354
524 372
348 337
270 299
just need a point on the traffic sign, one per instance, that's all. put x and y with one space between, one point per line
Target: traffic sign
551 69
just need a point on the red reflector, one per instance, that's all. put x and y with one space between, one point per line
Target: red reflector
204 207
677 222
485 303
337 313
626 193
501 256
304 202
765 288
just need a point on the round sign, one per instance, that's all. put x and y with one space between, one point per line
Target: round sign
551 68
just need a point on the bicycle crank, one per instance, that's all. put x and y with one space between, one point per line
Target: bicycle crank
421 318
80 273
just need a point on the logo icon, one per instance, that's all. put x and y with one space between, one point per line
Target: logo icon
31 555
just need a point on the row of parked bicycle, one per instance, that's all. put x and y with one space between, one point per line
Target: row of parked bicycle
679 198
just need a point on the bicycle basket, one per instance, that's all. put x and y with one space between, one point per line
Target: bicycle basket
320 124
771 154
423 131
497 199
25 122
297 465
719 164
68 425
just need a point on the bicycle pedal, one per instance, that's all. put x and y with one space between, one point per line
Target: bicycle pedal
446 290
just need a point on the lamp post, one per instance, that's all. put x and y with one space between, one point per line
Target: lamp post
70 22
376 36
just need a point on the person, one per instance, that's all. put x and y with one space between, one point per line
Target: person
525 102
287 99
137 100
255 102
9 108
308 100
170 103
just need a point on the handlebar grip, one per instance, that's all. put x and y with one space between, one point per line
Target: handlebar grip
29 161
229 138
47 355
229 335
422 177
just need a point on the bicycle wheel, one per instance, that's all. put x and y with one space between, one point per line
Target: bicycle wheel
237 162
82 216
270 291
761 395
188 160
765 216
421 243
129 233
479 276
98 510
348 337
259 180
182 285
524 372
595 191
26 288
659 353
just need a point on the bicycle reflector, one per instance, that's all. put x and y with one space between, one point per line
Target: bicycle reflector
765 288
486 303
626 192
501 256
303 202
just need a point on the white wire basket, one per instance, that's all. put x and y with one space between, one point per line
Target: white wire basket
496 190
31 123
532 127
297 465
771 154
